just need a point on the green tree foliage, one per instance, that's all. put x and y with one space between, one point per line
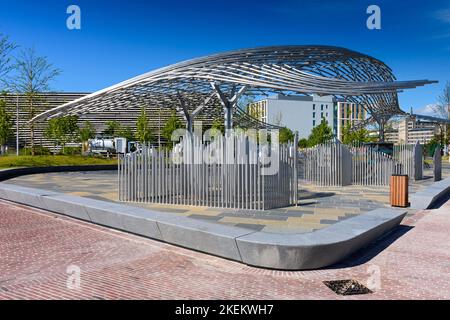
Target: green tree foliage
115 129
320 134
126 132
143 130
350 136
303 143
112 128
431 146
87 132
286 135
218 125
170 126
5 125
62 130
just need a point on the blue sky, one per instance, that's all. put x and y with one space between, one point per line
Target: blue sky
122 39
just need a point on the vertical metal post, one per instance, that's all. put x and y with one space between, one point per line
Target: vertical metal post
295 168
228 116
17 125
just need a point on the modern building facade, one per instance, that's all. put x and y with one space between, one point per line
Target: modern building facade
391 136
411 130
349 114
17 106
303 113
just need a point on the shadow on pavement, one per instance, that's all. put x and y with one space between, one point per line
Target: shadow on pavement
305 195
367 253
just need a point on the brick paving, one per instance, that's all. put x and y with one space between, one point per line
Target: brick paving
37 247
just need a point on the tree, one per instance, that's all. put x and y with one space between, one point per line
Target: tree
70 129
6 47
303 143
143 130
5 125
115 129
350 136
87 132
431 146
34 75
285 135
320 134
53 131
62 130
171 125
126 132
112 128
218 125
442 110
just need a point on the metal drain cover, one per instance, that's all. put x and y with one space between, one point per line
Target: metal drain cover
347 287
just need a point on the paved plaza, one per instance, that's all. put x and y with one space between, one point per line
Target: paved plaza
318 207
40 250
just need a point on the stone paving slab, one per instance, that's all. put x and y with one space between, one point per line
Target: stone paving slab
313 202
329 205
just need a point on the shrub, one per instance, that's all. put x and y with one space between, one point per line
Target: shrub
38 150
70 151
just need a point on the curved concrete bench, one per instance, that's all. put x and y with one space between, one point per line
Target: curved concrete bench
17 172
426 198
270 250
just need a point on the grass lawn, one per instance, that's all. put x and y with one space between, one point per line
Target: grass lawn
11 161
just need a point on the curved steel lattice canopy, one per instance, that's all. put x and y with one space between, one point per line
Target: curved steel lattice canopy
211 83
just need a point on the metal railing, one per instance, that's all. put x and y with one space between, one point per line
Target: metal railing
371 167
327 164
229 172
410 158
335 164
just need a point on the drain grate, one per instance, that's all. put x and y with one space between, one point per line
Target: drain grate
347 287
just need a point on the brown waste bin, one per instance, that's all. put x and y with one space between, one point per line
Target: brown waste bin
399 190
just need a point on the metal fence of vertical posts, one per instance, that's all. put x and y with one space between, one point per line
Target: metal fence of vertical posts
328 164
324 165
410 159
228 172
371 167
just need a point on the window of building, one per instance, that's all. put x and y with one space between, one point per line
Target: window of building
314 114
314 123
314 106
321 114
321 107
